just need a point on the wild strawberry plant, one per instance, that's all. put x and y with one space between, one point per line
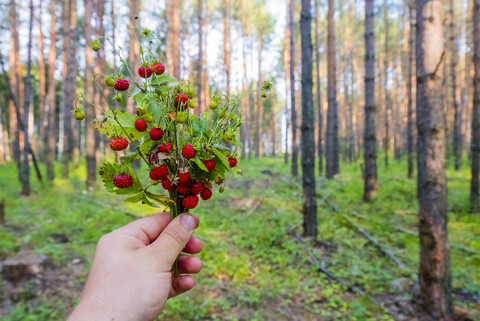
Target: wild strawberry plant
186 154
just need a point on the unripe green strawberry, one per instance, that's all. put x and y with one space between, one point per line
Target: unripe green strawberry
118 98
229 135
109 81
95 45
214 102
79 114
190 93
264 95
221 189
182 118
148 118
141 111
222 113
192 104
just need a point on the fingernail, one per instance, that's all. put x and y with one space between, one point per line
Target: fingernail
189 222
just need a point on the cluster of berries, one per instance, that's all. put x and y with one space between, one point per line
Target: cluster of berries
185 152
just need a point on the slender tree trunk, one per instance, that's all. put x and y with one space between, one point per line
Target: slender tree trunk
332 150
16 87
226 43
386 145
200 56
286 64
41 88
259 105
310 226
246 133
173 34
291 24
74 148
434 271
411 61
89 112
319 97
101 66
51 95
457 121
369 141
28 94
475 146
133 49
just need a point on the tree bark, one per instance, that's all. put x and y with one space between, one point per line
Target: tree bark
386 144
173 34
89 111
200 56
434 270
28 94
226 43
332 151
42 89
259 104
133 49
74 148
51 95
291 24
457 118
369 144
475 146
411 61
286 65
318 93
310 226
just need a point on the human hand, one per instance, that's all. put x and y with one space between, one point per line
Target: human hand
130 278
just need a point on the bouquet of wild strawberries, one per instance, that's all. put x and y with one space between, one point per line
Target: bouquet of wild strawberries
185 153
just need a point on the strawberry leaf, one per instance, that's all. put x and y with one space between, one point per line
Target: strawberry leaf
109 170
134 199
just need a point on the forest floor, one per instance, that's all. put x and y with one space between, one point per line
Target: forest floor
256 265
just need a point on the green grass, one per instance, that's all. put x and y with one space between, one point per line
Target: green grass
254 269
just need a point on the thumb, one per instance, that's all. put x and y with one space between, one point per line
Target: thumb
175 236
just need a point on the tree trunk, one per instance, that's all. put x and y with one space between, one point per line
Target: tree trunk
16 85
332 150
286 65
411 62
386 145
89 111
74 148
41 89
226 43
310 226
434 271
259 105
200 56
246 133
369 144
133 49
457 120
291 24
51 95
475 147
318 93
173 34
101 66
28 94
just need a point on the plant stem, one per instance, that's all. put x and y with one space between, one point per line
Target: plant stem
175 212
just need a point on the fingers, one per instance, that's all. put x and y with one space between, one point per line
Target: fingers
193 246
189 264
181 285
147 229
174 237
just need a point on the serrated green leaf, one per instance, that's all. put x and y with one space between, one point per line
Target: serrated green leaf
128 159
163 80
162 199
127 121
146 201
198 162
221 157
109 170
146 145
135 91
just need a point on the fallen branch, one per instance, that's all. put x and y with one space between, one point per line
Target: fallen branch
375 242
320 265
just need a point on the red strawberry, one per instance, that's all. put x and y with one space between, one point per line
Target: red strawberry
156 133
165 148
167 184
144 71
206 194
158 68
196 188
119 143
188 151
232 162
181 101
153 175
121 84
209 164
122 180
161 171
141 125
183 187
183 176
190 201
